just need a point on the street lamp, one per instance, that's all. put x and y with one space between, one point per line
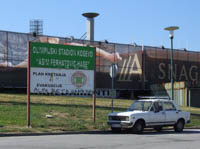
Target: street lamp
171 36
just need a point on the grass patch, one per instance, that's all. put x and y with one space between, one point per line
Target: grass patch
69 113
195 116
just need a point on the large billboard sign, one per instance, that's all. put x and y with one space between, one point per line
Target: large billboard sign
61 69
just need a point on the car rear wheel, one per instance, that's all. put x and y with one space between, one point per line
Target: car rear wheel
138 127
179 126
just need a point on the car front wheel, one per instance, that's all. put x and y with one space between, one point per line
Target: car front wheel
179 126
138 127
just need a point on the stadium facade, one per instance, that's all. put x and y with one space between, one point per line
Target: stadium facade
142 70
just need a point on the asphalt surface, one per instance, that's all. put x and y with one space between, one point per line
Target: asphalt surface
189 139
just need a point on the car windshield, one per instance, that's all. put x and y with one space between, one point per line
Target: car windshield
140 106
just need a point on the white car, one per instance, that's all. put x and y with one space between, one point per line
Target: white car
154 113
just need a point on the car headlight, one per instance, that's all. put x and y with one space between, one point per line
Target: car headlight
127 118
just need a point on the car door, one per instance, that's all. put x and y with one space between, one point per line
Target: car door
157 114
171 113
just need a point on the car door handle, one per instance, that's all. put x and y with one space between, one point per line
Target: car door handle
163 112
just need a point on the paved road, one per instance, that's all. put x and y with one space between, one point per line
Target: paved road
189 139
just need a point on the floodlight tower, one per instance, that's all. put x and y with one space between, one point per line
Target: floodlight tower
36 27
90 24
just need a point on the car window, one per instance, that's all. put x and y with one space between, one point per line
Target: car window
152 108
158 106
147 105
140 105
169 106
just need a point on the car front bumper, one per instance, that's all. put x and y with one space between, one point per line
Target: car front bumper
120 124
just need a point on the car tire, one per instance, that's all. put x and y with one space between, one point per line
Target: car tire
138 127
179 126
158 128
115 129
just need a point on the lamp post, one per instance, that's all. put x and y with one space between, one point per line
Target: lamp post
171 36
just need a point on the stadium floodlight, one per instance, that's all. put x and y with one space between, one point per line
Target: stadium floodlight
171 30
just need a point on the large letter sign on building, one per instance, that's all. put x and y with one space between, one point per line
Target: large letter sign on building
61 69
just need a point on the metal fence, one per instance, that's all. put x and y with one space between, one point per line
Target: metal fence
139 67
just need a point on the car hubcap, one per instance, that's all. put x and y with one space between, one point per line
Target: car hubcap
180 125
139 127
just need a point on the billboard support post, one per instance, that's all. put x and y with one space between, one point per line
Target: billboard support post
94 92
28 88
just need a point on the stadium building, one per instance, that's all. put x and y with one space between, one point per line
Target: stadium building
142 70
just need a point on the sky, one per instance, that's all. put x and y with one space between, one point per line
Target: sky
120 21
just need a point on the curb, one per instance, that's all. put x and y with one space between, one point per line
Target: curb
53 133
103 132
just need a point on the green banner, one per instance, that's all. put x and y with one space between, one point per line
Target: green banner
45 55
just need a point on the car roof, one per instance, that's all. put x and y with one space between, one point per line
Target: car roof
153 100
